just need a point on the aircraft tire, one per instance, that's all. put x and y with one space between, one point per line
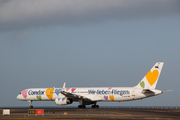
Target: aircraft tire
95 106
81 106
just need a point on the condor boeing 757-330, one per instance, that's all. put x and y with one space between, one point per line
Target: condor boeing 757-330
91 95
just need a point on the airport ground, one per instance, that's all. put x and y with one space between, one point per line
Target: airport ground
99 113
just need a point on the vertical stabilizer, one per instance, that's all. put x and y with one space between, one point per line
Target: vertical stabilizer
150 80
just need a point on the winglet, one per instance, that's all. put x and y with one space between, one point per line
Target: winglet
64 85
63 88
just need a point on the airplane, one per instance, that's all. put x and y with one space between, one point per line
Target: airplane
91 95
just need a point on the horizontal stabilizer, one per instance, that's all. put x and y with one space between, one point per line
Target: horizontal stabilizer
147 91
151 91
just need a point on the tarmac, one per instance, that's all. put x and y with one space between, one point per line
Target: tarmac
95 113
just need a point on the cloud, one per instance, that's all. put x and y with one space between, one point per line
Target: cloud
25 14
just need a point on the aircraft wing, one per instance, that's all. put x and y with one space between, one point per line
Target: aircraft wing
85 97
74 96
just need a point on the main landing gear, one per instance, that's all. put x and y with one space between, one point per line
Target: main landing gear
95 106
84 106
30 103
81 106
84 103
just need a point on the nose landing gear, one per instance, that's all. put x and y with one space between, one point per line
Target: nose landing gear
30 103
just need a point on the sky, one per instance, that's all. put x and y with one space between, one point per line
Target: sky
88 43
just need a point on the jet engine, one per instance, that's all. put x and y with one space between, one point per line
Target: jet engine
63 101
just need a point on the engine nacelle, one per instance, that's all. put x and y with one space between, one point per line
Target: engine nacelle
63 101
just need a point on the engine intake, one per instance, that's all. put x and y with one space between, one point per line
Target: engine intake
63 101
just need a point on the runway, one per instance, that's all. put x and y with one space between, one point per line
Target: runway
89 113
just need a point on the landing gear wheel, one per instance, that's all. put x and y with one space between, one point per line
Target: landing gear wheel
30 103
84 106
81 106
95 106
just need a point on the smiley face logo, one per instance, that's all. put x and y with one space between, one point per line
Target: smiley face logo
142 84
24 93
111 97
73 89
105 97
152 76
49 93
38 97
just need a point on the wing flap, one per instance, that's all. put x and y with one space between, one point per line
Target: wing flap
84 97
77 97
74 96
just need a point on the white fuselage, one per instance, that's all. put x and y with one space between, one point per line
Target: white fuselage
92 95
101 93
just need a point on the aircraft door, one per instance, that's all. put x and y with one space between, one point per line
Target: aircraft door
133 92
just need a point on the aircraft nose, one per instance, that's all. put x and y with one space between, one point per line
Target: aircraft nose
19 97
